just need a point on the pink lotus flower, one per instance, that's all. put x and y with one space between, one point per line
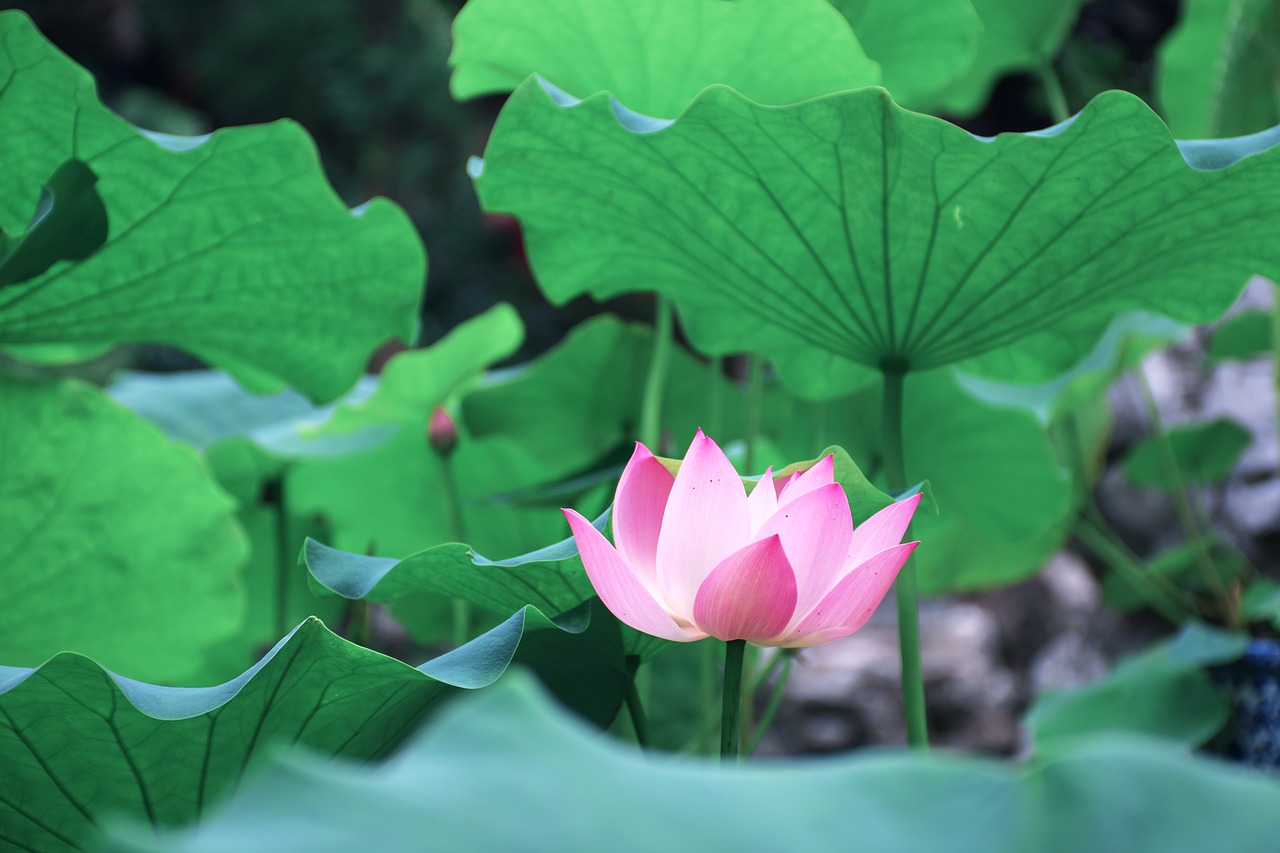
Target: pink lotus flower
696 557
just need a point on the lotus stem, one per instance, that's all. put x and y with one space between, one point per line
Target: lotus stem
635 708
755 398
461 609
905 589
1053 92
732 699
656 379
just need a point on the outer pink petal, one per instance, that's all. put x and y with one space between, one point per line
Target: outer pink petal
821 474
762 502
881 530
815 529
637 513
619 589
706 520
749 596
848 607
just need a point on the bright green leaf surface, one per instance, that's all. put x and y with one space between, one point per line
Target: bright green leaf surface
494 754
79 744
1245 335
1166 691
656 55
1219 69
96 558
1203 453
921 45
1016 36
849 226
231 246
70 223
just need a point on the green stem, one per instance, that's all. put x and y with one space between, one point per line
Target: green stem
1095 534
905 586
453 505
755 397
715 399
1182 507
707 702
731 699
655 380
635 708
787 657
284 567
1053 92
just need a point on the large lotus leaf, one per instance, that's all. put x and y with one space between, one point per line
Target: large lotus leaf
1022 36
96 557
80 744
232 246
1166 692
493 753
1002 496
922 45
881 237
1219 72
70 223
656 55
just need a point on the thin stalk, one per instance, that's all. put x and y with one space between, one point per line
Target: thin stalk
453 505
1053 92
1094 533
731 699
1182 507
755 398
905 586
635 709
283 567
715 398
707 699
787 657
1093 530
656 379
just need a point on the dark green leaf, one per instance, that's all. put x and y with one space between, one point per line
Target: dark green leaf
1203 453
70 223
1246 335
850 227
494 754
1219 72
1166 691
1181 565
114 541
657 58
231 246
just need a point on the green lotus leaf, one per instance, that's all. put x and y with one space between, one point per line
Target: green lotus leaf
1016 37
1165 691
95 558
70 223
492 754
80 744
1202 453
1242 336
231 246
922 46
1219 69
880 237
657 55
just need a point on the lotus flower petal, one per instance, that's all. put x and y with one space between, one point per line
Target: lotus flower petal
821 474
619 589
751 595
637 514
762 503
815 529
881 530
848 607
706 520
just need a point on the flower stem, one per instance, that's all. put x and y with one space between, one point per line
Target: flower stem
731 699
635 708
656 379
461 608
1053 92
905 586
787 656
755 398
715 397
